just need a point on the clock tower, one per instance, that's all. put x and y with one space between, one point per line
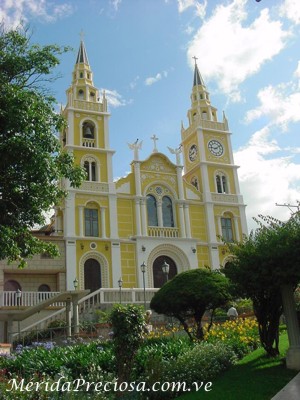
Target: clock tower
210 168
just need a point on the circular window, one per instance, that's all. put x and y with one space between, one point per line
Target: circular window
93 246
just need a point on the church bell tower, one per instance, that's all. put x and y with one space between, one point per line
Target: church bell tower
209 166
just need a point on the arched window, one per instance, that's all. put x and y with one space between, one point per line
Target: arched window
44 288
221 183
194 182
159 278
90 169
204 115
80 94
91 222
12 286
167 211
152 210
88 130
227 231
92 275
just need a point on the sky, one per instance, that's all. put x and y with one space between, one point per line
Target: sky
141 52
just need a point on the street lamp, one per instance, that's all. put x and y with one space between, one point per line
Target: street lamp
120 282
143 269
75 283
166 268
18 296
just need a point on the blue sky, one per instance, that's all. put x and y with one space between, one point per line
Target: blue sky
141 53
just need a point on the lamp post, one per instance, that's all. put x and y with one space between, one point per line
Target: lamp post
166 268
18 296
120 282
143 269
75 283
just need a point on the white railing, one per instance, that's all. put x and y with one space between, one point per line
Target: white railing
205 124
95 186
111 296
27 299
225 198
100 296
156 231
86 142
87 105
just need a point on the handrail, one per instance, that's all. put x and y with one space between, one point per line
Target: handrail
102 296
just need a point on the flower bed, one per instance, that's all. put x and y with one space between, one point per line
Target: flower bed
164 356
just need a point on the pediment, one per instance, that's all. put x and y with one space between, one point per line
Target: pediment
158 162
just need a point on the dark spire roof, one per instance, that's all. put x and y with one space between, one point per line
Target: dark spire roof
82 55
197 76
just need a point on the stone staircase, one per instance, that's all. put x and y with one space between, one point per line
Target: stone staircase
101 299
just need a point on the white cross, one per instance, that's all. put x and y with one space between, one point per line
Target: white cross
154 138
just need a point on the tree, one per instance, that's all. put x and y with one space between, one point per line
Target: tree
31 158
191 293
262 263
128 323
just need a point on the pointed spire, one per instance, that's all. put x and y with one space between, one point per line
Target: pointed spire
197 76
82 55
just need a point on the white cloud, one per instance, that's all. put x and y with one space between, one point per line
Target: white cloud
134 82
153 79
183 5
115 4
267 176
281 104
189 30
291 10
201 9
115 99
234 48
13 12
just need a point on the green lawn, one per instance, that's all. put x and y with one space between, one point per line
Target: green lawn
255 377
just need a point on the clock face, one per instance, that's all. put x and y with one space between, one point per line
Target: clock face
215 148
193 152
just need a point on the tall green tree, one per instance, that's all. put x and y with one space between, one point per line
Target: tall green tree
31 158
189 294
262 263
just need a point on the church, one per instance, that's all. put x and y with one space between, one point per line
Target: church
170 209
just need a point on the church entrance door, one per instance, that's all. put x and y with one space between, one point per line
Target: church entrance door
92 275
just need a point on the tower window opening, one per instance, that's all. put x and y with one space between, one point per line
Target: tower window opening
81 94
194 182
88 129
81 75
90 169
221 183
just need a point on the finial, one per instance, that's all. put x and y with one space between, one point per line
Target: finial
195 58
136 146
176 151
154 138
81 34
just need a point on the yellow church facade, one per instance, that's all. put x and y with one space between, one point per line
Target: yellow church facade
170 208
